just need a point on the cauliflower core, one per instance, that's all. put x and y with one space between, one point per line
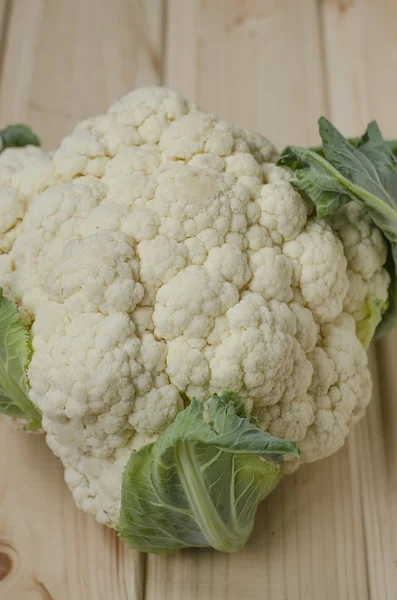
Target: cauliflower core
160 255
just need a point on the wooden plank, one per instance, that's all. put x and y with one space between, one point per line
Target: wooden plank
56 551
387 361
67 60
259 63
63 60
360 49
252 62
4 12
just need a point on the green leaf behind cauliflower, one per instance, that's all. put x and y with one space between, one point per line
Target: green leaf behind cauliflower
18 135
14 360
364 171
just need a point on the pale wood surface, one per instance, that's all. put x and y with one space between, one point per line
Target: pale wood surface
330 531
64 60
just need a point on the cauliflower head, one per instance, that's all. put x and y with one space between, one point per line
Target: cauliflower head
159 255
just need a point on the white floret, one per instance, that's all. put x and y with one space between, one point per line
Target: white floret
154 411
83 383
52 220
231 262
366 253
354 302
160 259
274 174
24 172
306 328
196 250
259 353
196 201
208 161
188 365
29 170
106 216
96 273
12 210
133 190
258 237
283 211
190 302
341 388
272 274
243 164
82 153
96 482
92 380
364 245
289 420
135 159
150 110
196 133
319 270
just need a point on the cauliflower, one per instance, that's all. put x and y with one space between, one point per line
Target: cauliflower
160 257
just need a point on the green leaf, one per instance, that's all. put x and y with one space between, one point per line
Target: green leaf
366 327
200 482
14 360
317 178
18 135
391 144
364 171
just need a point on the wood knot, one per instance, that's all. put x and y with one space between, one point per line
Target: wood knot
346 5
5 565
343 6
9 561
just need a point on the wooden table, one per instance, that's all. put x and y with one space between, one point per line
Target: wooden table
330 531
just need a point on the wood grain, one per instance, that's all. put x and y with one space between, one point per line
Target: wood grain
360 48
57 552
69 59
64 60
251 62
